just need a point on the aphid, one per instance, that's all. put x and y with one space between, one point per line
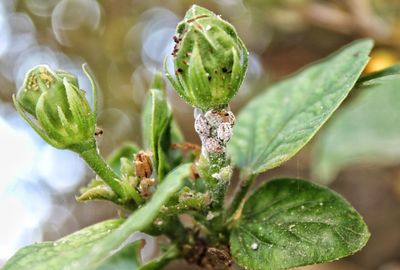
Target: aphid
174 51
224 132
98 132
177 40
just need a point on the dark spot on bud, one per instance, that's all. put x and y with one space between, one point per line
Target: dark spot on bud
224 70
98 132
209 77
177 39
179 71
175 50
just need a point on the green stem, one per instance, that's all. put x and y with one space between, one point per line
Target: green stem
240 195
211 169
102 169
217 184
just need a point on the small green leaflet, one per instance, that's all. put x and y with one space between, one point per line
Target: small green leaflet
365 131
288 223
156 120
278 123
126 150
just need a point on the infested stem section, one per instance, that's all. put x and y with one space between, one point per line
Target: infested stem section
215 130
214 166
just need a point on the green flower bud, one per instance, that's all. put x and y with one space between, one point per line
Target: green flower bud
210 59
58 109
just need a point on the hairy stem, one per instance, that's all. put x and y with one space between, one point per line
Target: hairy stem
101 168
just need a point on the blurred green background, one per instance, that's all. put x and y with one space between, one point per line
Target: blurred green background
125 42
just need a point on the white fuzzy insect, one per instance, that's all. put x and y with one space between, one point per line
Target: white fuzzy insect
213 146
224 132
201 126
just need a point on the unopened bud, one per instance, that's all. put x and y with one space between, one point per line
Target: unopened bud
210 59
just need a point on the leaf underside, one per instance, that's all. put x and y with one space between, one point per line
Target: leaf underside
288 223
278 123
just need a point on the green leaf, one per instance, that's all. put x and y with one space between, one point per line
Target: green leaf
161 261
288 223
156 119
128 258
98 192
62 253
176 133
277 124
367 130
138 221
127 150
383 74
90 247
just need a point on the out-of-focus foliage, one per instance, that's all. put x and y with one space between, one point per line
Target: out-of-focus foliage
366 131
